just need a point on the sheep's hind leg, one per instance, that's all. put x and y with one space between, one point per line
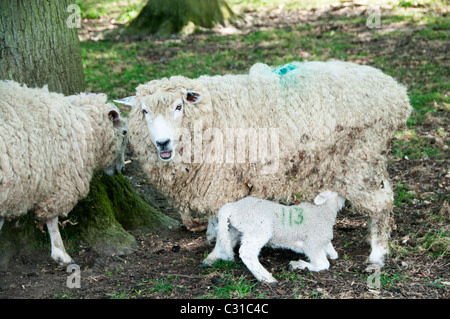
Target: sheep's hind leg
223 250
318 262
59 253
331 252
249 251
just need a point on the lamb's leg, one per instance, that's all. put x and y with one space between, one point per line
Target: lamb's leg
222 251
58 251
249 251
318 261
331 252
1 224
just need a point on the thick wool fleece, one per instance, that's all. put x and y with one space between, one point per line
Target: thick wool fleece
335 122
50 146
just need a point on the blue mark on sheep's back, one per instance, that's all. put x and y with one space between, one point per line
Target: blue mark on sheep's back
287 79
283 69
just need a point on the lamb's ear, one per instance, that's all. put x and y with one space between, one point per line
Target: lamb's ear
193 97
131 100
322 197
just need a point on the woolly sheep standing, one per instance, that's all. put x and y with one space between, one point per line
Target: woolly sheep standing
312 126
303 228
50 147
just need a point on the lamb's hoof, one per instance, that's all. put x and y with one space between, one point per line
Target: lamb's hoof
294 265
207 263
272 283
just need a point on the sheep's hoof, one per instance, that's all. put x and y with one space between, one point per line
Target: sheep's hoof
62 259
294 265
272 283
372 268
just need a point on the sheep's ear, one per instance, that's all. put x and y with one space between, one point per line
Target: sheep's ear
113 115
322 197
131 100
193 97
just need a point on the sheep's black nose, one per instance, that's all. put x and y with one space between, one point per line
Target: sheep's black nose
163 144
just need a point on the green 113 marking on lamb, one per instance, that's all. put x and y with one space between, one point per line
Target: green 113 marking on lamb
292 217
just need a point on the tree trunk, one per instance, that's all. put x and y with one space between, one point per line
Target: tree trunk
165 17
38 47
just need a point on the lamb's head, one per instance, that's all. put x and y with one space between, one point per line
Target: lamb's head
163 105
330 198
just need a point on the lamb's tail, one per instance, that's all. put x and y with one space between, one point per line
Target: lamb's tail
223 230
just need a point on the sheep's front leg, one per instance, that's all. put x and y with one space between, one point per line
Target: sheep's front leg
1 224
380 209
58 251
379 235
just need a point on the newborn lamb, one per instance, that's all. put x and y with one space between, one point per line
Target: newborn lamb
305 228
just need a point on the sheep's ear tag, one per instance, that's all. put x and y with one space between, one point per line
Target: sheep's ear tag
127 101
113 115
193 97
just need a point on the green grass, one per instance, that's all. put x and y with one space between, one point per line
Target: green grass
402 195
232 287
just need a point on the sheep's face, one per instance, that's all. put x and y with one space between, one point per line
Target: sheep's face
163 114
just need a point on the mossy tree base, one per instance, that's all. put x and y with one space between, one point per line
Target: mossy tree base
166 17
101 221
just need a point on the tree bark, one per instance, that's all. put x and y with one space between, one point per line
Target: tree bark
37 47
165 17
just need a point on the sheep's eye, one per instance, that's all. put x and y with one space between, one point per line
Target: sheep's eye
178 108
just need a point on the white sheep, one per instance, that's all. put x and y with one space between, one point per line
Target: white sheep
305 228
50 147
272 134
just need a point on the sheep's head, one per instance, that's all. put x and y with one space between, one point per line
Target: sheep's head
121 140
112 129
162 105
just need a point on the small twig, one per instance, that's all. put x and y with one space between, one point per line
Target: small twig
184 276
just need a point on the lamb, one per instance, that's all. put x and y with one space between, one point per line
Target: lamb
303 228
50 147
272 134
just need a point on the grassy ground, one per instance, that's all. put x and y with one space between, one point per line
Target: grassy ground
411 43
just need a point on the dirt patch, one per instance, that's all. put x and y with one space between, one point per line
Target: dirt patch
168 264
